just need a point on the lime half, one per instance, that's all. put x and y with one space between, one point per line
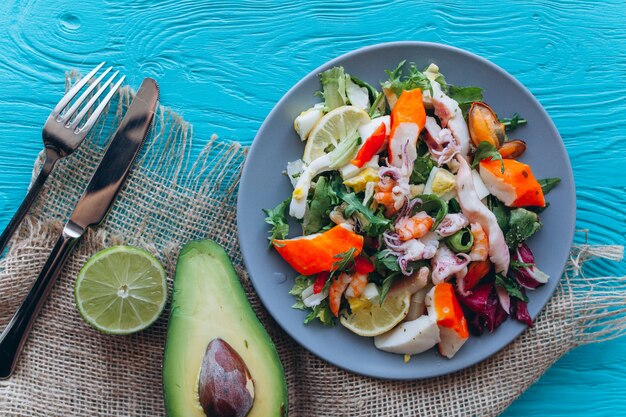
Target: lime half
121 290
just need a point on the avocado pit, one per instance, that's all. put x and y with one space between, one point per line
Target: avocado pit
225 386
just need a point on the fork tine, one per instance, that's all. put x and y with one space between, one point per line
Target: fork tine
74 90
98 111
68 114
92 101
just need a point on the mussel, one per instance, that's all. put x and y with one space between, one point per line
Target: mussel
512 149
484 125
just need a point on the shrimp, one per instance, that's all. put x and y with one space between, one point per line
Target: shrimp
480 248
384 195
414 227
477 212
357 285
337 287
451 224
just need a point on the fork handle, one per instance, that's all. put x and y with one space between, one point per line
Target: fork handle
15 334
52 156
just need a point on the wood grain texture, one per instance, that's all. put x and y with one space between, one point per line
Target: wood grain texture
224 64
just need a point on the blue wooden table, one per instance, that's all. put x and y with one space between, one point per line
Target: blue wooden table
224 64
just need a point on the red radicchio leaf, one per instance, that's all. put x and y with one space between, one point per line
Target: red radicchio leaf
483 302
520 312
529 277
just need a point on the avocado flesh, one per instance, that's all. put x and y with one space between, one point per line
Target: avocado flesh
208 302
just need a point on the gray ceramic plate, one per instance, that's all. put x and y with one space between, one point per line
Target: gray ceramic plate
263 185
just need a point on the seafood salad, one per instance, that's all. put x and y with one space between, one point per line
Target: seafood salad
414 211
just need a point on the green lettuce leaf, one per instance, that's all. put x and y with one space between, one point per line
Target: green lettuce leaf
502 212
465 96
421 169
334 87
276 218
322 313
323 200
300 284
522 225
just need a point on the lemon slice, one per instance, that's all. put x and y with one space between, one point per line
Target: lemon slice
378 318
332 128
121 290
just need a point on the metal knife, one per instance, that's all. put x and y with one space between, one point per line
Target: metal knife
90 210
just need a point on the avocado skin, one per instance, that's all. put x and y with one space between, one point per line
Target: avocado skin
209 302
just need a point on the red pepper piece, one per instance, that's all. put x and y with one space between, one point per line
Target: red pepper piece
371 146
320 281
363 266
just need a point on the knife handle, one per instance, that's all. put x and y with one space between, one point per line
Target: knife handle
15 334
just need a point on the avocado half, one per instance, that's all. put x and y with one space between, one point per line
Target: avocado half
209 307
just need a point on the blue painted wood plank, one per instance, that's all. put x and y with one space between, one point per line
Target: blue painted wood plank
223 65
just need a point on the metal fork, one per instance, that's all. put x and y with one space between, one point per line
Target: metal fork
62 134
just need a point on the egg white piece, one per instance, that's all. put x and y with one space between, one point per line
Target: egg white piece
409 337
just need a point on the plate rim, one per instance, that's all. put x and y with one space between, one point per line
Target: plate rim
410 44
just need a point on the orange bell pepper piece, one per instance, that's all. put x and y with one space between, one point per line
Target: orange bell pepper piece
448 310
408 109
317 253
518 186
371 146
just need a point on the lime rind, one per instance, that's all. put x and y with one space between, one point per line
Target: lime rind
97 287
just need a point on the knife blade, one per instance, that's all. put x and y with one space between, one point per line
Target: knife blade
110 175
91 209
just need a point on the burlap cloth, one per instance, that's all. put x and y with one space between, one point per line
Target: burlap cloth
68 369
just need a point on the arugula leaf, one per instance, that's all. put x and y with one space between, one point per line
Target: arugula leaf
431 203
334 87
324 199
512 287
512 123
421 169
276 218
502 212
398 82
374 224
322 313
345 261
522 225
384 290
547 184
465 96
487 150
385 261
417 79
519 264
